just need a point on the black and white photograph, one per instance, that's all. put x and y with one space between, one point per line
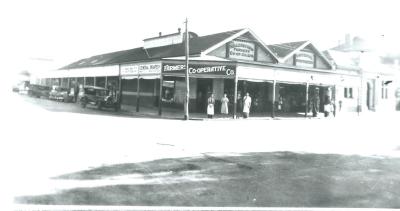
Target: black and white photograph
200 105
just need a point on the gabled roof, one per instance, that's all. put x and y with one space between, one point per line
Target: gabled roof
236 35
197 45
286 50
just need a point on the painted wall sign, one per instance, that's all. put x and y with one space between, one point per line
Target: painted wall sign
141 69
304 59
241 50
195 69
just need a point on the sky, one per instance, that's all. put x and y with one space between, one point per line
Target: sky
49 34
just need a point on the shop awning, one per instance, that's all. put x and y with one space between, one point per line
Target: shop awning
129 77
146 77
149 77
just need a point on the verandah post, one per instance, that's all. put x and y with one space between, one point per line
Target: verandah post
273 99
306 111
160 97
235 98
138 94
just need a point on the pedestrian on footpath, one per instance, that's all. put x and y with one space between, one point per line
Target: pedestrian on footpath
314 103
210 106
328 107
76 92
239 103
280 103
246 105
224 104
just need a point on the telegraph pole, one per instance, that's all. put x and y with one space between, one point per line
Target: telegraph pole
186 106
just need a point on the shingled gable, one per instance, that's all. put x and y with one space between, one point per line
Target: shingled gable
237 35
197 46
284 51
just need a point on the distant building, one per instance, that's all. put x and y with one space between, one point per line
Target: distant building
379 80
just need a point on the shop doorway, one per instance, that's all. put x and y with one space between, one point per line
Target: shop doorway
326 94
293 97
204 88
260 93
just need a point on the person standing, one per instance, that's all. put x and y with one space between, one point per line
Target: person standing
239 103
76 92
280 103
224 104
246 105
314 103
328 107
210 106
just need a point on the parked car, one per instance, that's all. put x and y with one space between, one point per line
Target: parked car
38 91
99 97
15 88
61 94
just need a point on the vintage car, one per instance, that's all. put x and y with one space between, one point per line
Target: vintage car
38 91
99 97
61 94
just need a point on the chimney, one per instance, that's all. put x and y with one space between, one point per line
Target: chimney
179 30
159 34
348 40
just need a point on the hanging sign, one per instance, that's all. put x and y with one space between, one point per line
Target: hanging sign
141 69
241 50
304 59
197 69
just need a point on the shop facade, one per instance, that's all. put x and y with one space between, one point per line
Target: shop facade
140 84
205 77
281 79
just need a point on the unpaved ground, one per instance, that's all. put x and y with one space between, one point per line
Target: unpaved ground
40 144
269 179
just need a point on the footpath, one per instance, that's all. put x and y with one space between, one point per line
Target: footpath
171 113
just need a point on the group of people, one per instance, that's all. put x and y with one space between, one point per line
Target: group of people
245 104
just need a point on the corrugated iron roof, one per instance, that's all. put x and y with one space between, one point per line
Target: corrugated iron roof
284 49
196 46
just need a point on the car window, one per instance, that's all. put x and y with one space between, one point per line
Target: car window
102 92
90 91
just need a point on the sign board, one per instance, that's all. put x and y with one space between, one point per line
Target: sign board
241 50
305 59
141 69
203 69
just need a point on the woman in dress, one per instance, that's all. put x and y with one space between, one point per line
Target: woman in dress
210 106
224 104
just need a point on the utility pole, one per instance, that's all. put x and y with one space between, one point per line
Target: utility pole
186 106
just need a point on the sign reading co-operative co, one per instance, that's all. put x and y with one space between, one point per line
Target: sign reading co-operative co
141 69
196 69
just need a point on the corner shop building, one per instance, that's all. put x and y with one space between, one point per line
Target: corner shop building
233 62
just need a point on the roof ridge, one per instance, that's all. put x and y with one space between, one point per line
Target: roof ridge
285 43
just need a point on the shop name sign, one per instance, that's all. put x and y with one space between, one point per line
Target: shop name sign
140 69
241 50
228 70
304 59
